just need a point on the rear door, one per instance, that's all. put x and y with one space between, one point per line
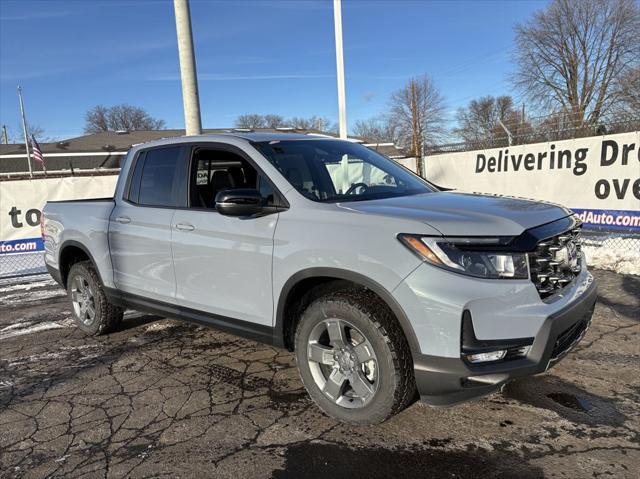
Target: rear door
223 264
140 224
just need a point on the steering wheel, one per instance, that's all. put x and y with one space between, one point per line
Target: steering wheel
355 186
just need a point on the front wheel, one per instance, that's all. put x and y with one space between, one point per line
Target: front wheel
92 311
353 358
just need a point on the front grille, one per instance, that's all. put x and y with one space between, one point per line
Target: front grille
555 262
568 337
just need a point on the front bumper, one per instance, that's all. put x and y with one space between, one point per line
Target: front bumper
443 381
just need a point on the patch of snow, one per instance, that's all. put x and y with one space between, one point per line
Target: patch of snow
62 352
20 297
35 328
621 255
159 326
27 286
24 279
79 348
30 359
13 326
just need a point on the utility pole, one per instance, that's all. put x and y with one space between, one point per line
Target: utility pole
5 137
342 102
24 131
190 98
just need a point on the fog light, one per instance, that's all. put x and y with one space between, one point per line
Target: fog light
486 357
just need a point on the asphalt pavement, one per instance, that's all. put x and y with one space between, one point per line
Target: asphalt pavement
163 398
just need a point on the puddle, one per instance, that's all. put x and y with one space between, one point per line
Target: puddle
576 403
568 401
320 460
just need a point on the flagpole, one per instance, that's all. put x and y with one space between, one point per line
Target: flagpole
24 131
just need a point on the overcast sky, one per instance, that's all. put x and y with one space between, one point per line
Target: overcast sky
252 56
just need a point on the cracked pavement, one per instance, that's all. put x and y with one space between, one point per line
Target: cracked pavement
163 398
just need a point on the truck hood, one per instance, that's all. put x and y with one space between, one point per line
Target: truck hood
463 214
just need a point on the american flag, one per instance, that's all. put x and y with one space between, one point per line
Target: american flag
37 154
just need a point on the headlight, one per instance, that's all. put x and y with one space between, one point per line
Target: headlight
471 256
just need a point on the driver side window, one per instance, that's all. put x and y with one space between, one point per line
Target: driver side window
213 171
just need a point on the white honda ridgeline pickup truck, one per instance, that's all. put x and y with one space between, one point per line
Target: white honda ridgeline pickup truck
384 285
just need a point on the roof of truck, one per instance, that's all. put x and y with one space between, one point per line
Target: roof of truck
259 136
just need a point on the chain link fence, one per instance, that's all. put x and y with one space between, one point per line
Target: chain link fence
21 264
542 129
615 251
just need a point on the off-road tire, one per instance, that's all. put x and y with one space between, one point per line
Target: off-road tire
374 319
107 315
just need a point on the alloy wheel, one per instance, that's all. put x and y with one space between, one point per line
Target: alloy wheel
83 300
343 363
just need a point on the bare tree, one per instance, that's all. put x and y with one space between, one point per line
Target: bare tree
96 119
299 123
481 122
16 135
120 117
254 120
274 121
38 132
375 130
571 55
628 94
311 123
417 112
250 120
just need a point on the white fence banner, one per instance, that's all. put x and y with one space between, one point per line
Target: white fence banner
597 177
21 204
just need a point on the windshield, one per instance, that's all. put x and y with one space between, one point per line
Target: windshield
332 171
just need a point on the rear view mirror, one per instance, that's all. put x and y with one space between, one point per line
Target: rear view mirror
240 202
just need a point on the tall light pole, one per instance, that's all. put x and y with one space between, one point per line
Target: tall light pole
188 76
342 106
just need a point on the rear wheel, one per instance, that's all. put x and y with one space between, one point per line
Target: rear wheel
353 357
92 312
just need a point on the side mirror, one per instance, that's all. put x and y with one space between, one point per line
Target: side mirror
240 202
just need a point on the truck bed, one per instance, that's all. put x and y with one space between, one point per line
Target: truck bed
81 224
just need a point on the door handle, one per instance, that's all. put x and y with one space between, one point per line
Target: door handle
184 227
123 219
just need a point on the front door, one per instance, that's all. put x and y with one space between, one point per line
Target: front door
223 264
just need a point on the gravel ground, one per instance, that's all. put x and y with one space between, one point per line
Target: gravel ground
162 398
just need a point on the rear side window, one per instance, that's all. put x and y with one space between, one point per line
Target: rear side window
155 180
